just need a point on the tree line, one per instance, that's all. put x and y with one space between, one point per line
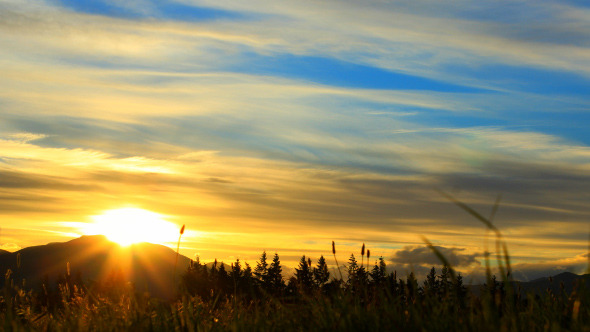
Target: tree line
266 279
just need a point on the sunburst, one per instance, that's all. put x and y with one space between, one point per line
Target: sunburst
133 225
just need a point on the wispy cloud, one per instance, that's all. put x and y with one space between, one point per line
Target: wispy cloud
327 121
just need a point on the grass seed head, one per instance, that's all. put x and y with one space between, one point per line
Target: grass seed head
333 248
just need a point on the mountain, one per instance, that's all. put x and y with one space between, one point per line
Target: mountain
150 267
567 279
539 286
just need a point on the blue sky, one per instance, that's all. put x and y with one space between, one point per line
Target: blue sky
330 119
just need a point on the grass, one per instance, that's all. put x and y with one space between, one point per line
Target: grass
380 310
365 301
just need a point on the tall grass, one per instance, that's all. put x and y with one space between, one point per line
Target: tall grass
177 253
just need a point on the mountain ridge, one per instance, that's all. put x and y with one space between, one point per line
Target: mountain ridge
150 267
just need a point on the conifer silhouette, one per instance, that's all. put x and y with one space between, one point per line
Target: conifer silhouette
321 275
275 277
304 276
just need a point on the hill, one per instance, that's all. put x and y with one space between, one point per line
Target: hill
567 280
150 267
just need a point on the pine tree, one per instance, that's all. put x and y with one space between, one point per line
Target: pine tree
235 275
275 277
357 276
379 273
261 270
247 283
247 274
411 286
460 289
444 281
362 277
303 275
321 275
392 284
352 268
196 280
431 284
213 273
236 270
223 280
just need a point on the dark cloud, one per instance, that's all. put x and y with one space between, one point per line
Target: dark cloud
520 177
21 180
413 255
218 180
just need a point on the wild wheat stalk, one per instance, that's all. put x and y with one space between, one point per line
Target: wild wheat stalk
177 250
337 265
363 256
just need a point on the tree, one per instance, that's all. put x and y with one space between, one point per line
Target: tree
247 282
352 269
261 270
357 276
431 284
304 276
379 272
275 277
223 279
392 284
411 287
196 279
321 275
236 270
247 274
444 281
460 289
235 275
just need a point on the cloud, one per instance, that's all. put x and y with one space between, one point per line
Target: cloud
410 34
16 180
412 255
107 110
26 137
271 193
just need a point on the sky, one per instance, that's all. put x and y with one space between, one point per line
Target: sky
283 126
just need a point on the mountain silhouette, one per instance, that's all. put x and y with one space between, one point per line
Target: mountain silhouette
150 267
567 280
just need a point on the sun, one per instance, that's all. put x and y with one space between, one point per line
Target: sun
133 225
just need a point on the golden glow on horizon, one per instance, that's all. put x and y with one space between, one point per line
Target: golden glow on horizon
132 225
